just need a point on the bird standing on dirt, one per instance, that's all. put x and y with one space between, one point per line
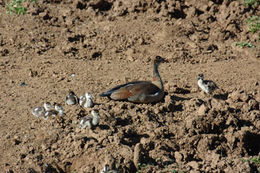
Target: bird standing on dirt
89 121
48 106
38 111
207 86
86 101
140 91
59 108
71 98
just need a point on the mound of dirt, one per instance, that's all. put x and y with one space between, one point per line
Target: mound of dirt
91 46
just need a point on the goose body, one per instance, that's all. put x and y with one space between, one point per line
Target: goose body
140 91
207 86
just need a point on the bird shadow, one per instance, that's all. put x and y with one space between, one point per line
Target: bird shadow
103 127
221 96
177 98
179 90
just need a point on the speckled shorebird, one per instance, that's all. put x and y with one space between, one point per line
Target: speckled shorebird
107 169
89 121
48 106
38 111
86 101
96 117
207 86
51 112
71 98
59 108
85 122
140 91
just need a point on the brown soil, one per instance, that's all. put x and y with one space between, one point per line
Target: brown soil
93 46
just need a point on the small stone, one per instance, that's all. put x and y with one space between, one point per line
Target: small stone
245 107
234 96
137 154
168 99
202 110
129 53
253 104
194 165
244 97
178 157
32 73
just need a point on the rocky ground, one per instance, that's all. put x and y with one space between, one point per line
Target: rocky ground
92 46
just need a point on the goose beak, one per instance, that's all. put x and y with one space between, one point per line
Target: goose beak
160 59
165 61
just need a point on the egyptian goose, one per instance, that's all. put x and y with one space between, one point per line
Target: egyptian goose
140 91
207 86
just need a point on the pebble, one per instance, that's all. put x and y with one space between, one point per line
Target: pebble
178 157
137 154
202 110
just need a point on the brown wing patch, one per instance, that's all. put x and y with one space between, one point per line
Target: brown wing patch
121 94
134 90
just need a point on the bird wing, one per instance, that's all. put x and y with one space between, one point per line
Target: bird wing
210 84
123 92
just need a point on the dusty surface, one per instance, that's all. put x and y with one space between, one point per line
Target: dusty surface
91 46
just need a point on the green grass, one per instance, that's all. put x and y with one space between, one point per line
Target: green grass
255 160
254 3
254 24
16 6
244 44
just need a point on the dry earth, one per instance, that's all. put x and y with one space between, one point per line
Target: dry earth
94 45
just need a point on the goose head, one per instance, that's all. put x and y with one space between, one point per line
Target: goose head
158 60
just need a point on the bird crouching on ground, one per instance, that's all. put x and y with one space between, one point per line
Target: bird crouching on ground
140 91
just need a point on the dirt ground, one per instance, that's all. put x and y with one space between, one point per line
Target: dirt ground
92 46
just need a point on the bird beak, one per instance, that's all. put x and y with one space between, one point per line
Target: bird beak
165 61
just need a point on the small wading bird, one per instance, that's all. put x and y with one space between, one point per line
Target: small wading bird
86 101
207 86
71 98
140 91
90 122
